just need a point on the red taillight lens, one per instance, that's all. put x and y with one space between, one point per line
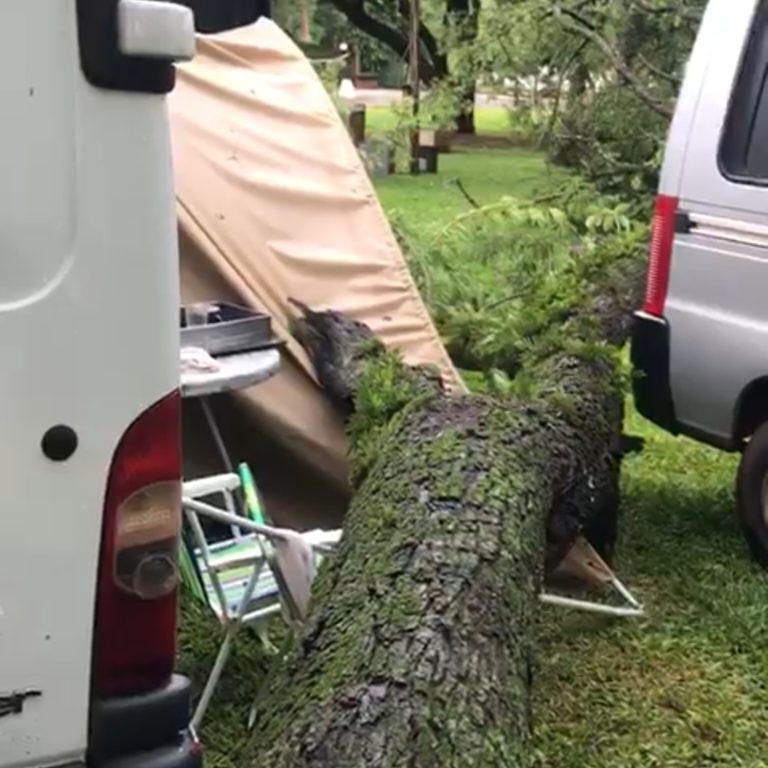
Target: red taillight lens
660 254
135 634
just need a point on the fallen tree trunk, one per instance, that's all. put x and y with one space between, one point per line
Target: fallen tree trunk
419 648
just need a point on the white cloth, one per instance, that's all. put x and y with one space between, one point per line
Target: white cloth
194 359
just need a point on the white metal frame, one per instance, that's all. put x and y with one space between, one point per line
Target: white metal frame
632 608
584 562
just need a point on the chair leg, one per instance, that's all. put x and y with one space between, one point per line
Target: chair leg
268 646
213 678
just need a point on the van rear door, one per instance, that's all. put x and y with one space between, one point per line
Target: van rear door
88 338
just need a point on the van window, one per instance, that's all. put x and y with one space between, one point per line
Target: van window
744 145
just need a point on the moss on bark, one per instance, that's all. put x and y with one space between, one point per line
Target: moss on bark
419 647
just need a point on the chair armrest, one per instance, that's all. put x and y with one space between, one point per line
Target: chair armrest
237 560
206 486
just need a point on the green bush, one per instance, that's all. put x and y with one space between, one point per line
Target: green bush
527 124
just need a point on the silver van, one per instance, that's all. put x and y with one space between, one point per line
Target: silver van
700 345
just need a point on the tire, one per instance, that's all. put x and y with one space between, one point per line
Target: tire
752 495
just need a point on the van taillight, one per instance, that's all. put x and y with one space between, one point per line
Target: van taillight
660 254
135 633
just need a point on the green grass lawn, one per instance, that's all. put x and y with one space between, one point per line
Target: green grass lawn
427 202
685 686
488 120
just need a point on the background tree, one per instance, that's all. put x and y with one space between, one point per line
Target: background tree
621 86
444 24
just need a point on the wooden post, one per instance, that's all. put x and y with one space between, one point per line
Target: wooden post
305 35
415 83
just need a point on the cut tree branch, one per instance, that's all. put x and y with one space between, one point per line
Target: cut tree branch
564 71
576 23
654 70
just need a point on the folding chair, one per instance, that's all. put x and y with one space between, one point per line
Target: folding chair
255 573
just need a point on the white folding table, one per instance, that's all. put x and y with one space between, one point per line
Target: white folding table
237 371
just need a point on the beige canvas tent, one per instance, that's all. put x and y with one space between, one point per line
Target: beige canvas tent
274 202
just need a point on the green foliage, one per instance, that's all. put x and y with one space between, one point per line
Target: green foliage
224 730
330 28
382 394
329 72
501 280
380 32
437 111
623 81
528 124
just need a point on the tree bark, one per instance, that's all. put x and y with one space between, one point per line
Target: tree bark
465 120
419 650
305 35
465 16
433 64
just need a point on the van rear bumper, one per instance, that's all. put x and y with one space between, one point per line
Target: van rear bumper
186 754
149 730
651 385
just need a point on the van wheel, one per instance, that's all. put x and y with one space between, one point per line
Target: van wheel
752 495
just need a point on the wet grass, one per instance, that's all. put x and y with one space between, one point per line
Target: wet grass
429 201
490 121
687 685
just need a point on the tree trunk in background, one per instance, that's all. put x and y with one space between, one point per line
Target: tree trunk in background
433 64
465 16
579 80
465 120
305 36
419 648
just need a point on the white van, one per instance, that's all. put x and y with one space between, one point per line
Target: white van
701 340
89 404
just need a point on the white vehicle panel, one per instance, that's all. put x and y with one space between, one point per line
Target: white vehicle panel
88 310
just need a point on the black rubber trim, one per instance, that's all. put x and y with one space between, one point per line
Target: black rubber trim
185 754
746 108
651 382
683 224
140 723
104 66
219 15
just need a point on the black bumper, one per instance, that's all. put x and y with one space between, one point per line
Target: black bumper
186 754
150 730
650 381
